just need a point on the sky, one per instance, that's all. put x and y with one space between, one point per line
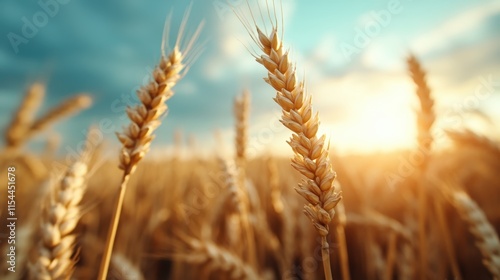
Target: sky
350 53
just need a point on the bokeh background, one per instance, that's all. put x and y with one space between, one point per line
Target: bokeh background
352 55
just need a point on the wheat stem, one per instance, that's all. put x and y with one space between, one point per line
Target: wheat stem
448 242
311 154
425 120
19 126
391 255
68 107
145 118
487 240
342 242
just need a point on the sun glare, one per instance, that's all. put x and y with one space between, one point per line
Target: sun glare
377 129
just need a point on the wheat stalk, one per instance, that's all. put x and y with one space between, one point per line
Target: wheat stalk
283 213
240 202
68 107
341 239
469 138
59 218
487 240
311 156
52 145
426 115
145 118
19 126
215 257
425 120
242 112
375 219
390 260
406 261
124 269
448 241
377 257
273 179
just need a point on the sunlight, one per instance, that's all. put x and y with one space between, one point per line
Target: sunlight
379 128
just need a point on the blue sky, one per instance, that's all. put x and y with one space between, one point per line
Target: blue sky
365 98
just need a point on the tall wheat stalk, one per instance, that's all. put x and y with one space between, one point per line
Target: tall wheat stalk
145 118
425 120
239 201
311 154
214 257
60 216
22 120
469 138
68 107
487 240
448 241
390 259
341 240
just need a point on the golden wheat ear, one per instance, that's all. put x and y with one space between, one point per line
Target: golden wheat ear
68 107
60 215
17 130
146 116
425 120
242 113
471 139
311 154
426 116
486 238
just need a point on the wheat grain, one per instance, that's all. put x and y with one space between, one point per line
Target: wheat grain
426 115
59 218
242 112
145 118
311 156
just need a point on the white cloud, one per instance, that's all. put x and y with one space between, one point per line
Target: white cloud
462 27
386 53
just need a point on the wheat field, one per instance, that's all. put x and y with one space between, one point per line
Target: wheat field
115 210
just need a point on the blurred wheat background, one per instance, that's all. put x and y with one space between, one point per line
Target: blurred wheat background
153 149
